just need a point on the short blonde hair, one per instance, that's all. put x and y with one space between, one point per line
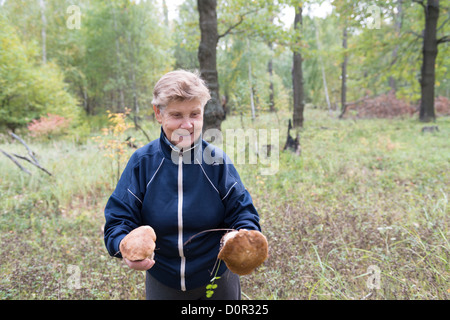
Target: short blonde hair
180 85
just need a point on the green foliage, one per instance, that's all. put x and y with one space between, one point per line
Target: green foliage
111 62
126 53
212 285
124 46
186 36
233 66
27 90
389 52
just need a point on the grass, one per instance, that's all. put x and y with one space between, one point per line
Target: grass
363 193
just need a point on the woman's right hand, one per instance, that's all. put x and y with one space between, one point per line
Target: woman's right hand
141 265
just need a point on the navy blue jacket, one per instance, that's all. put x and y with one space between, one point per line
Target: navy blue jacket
179 194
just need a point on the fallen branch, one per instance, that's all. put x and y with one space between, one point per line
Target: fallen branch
33 163
15 161
30 152
32 159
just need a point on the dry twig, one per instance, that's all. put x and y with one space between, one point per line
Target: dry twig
32 159
15 161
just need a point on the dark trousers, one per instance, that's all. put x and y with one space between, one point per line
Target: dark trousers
228 288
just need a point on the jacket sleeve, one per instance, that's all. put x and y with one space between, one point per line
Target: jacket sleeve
240 213
123 209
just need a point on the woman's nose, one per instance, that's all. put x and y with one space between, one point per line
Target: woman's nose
186 124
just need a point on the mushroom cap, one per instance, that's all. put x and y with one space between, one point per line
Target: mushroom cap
139 244
244 251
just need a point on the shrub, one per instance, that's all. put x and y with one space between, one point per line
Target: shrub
114 141
442 105
50 126
382 106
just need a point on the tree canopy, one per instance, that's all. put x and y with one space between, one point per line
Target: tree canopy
121 48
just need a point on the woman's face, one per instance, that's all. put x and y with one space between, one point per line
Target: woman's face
182 121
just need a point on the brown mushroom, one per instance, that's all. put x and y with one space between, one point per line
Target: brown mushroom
244 251
139 244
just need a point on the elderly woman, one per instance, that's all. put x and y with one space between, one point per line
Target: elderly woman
171 186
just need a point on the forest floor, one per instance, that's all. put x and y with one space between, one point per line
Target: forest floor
361 213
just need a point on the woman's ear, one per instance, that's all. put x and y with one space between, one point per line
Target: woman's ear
158 115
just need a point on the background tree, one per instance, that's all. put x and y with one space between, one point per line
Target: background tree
120 38
429 54
124 46
29 89
207 55
236 18
297 72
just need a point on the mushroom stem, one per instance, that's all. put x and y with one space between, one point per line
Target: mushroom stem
209 230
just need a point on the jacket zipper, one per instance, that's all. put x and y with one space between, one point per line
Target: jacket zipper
180 222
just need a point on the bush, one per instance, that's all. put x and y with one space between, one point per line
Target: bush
382 106
50 126
442 105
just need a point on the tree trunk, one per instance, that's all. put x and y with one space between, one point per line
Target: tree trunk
43 32
324 78
297 75
344 71
429 52
398 26
270 70
250 81
166 13
119 66
271 88
214 114
133 80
